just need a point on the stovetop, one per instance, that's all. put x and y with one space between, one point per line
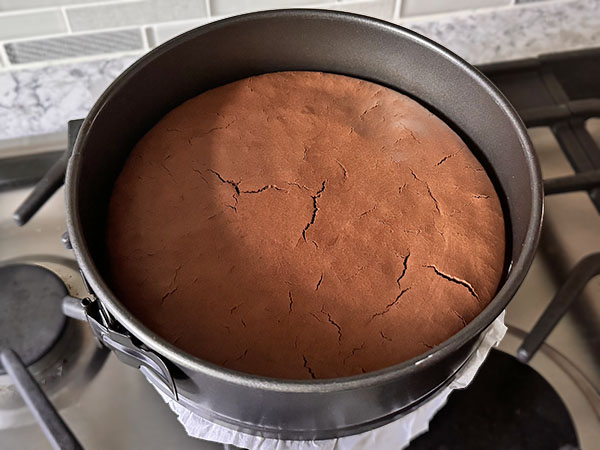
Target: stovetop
119 409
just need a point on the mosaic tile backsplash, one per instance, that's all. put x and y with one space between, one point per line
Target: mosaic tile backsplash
35 31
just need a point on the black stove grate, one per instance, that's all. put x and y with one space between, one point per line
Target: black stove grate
560 91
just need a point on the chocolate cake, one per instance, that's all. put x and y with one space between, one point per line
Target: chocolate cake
304 225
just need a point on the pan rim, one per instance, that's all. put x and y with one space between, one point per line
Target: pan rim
513 280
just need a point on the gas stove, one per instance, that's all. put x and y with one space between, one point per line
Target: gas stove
539 390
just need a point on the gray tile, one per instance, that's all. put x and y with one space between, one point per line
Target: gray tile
74 46
164 32
133 13
530 1
224 7
382 9
421 7
12 5
31 24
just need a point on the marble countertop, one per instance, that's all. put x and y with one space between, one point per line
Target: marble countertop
41 101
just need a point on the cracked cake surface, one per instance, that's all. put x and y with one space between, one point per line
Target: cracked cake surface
304 225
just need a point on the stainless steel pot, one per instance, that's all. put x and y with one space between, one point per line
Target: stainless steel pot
252 44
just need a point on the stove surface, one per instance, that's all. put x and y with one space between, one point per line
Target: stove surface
120 410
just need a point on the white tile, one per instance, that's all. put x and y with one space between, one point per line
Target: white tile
225 7
164 32
12 5
31 24
73 46
133 13
381 9
420 7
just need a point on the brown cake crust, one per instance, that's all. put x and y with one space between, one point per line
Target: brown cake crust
304 225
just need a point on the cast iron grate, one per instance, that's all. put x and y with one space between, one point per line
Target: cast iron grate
560 91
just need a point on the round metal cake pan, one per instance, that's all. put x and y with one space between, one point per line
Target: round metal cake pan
252 44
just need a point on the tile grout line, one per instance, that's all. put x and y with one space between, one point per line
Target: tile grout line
99 3
397 10
37 9
4 58
77 33
66 61
208 8
25 12
145 41
434 17
66 19
39 37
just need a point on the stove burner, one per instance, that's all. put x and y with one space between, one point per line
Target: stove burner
507 406
31 318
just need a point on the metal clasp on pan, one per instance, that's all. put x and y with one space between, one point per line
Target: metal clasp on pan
121 343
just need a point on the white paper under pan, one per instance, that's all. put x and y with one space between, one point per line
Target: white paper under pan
396 435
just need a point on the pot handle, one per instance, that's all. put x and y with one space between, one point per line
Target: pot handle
120 342
49 184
